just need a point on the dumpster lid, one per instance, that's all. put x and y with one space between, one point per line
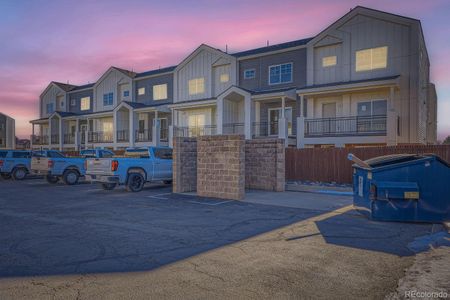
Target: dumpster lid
392 159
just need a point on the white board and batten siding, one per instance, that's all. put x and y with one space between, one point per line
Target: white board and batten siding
209 64
50 96
113 82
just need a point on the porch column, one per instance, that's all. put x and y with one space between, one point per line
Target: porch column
86 136
131 124
50 133
248 117
391 121
61 136
282 122
77 134
156 130
220 116
171 129
115 128
301 124
32 135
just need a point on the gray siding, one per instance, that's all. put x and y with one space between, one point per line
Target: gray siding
261 65
77 96
2 131
148 84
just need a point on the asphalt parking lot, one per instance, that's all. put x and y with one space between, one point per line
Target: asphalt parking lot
83 242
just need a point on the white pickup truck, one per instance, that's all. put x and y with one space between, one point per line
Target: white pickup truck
139 165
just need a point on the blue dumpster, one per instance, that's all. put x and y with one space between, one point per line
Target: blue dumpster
402 187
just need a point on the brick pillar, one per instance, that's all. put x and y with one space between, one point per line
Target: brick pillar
184 164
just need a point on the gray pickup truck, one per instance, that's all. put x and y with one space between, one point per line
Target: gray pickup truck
15 164
139 165
55 166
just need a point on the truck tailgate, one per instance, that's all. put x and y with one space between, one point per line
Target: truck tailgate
39 164
98 166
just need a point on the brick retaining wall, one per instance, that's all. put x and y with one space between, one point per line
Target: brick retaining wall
184 164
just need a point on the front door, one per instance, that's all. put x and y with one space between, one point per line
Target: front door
329 110
329 115
196 124
275 115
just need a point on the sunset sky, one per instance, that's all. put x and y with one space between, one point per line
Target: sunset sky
76 41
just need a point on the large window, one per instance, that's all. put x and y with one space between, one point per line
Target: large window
108 99
141 91
160 92
85 103
196 86
50 108
329 61
372 108
280 73
249 73
275 115
371 59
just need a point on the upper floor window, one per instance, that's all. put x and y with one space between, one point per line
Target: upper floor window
126 93
371 59
141 91
160 92
224 77
329 61
73 102
85 103
196 86
50 108
249 73
280 73
108 99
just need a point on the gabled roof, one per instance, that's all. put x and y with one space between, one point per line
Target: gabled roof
201 48
85 86
271 48
156 72
126 72
134 104
64 86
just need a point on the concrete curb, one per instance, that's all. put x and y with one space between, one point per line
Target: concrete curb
318 189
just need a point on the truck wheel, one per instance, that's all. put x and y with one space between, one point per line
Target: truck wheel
19 173
70 177
51 179
135 182
6 176
167 181
108 186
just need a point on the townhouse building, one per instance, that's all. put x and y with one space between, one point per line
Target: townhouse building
7 132
363 80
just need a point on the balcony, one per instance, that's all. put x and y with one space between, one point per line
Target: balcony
233 128
346 126
55 138
143 135
123 135
100 137
39 139
69 138
264 129
164 134
195 131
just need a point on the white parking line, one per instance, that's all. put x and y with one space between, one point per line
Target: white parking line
158 196
211 204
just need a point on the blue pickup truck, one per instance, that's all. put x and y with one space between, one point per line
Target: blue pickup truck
139 165
55 166
15 164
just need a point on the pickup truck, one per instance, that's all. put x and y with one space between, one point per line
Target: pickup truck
55 166
15 164
140 165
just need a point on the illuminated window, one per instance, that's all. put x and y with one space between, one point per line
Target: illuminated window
196 86
371 59
224 77
160 92
249 73
85 103
329 61
280 73
141 91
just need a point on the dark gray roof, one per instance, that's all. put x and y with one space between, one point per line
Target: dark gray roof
85 86
134 104
272 91
126 72
273 47
64 86
65 113
348 82
155 72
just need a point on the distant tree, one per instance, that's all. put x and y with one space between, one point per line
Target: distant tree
446 141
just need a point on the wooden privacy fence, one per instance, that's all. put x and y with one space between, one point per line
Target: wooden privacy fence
332 165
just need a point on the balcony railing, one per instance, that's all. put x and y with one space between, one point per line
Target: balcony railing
143 135
233 128
39 139
195 131
69 138
55 138
123 135
261 129
346 126
100 137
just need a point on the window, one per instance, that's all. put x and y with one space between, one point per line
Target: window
73 102
126 93
21 154
141 126
50 108
371 59
85 103
224 77
163 153
275 115
108 99
372 108
249 73
141 91
280 73
329 61
160 92
196 86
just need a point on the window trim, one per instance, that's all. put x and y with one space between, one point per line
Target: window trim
141 88
81 103
196 93
371 105
128 93
279 109
73 102
254 73
371 59
227 77
286 82
153 91
107 94
329 56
